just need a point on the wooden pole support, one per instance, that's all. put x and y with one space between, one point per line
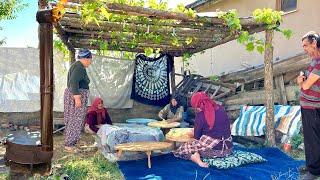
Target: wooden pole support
268 85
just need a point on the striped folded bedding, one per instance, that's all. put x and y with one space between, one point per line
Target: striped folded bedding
251 121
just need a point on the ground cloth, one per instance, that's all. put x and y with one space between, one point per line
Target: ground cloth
278 166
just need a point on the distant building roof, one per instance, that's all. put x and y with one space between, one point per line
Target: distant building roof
199 3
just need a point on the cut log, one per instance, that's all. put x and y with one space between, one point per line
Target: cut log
257 97
292 64
281 89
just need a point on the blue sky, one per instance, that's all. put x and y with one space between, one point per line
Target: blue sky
23 31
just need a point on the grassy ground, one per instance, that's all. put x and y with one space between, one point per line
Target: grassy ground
88 164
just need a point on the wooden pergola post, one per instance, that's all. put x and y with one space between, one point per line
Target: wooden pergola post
268 85
44 18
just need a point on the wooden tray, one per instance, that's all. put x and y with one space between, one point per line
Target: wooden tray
164 124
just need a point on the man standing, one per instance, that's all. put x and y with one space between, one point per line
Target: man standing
310 105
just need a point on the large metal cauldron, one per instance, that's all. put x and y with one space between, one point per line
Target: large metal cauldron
24 147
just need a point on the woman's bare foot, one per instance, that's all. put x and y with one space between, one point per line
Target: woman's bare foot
197 159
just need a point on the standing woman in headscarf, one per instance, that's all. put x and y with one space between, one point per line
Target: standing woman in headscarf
212 134
172 112
76 98
97 116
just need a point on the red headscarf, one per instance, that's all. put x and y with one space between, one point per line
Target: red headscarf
208 106
101 113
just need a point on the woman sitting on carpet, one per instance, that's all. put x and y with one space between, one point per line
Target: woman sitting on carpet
172 112
211 132
97 115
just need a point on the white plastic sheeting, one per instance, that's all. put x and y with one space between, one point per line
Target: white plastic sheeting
111 79
20 81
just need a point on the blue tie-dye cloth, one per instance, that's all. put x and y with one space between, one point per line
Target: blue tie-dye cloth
151 79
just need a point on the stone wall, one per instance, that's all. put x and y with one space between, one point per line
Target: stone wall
139 110
24 118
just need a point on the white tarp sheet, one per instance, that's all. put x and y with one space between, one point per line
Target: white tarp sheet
111 79
20 82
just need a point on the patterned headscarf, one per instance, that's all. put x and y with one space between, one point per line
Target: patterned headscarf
174 109
208 106
101 113
84 53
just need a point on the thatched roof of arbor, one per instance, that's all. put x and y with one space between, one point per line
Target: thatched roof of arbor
207 32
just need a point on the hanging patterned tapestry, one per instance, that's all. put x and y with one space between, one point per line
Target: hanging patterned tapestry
151 79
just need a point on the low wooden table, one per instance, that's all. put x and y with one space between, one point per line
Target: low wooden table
164 125
146 147
180 139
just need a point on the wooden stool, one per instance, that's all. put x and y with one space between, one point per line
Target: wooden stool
146 147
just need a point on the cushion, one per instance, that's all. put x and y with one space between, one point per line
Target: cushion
236 159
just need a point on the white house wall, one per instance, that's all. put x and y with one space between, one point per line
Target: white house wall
232 56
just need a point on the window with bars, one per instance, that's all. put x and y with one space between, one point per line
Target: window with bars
288 5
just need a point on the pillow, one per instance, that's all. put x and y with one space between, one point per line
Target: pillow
236 159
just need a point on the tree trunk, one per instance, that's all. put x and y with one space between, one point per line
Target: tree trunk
268 85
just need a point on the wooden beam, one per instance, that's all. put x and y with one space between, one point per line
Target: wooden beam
257 97
122 40
139 45
80 33
291 76
291 64
159 14
282 91
126 27
176 53
268 85
152 22
63 36
141 11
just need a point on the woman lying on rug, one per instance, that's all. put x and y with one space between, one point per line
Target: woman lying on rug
172 112
211 132
97 115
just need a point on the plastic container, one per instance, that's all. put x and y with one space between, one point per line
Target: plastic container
142 121
287 146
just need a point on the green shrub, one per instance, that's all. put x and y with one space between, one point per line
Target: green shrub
296 140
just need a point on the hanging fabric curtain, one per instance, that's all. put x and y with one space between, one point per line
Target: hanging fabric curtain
151 79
